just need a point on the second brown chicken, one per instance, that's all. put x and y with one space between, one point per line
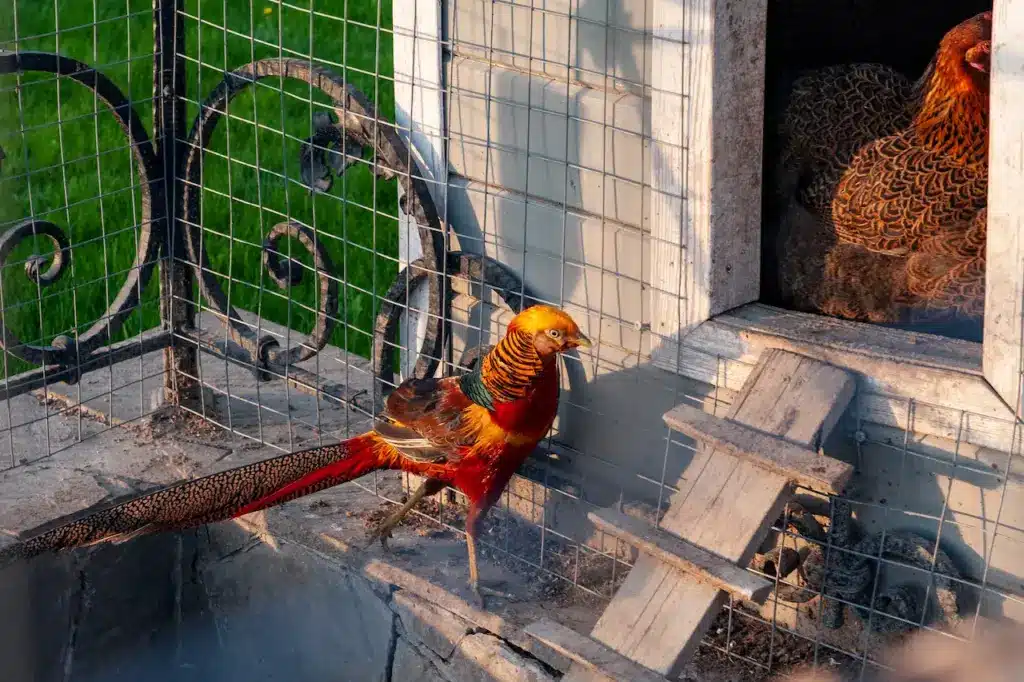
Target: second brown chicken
882 186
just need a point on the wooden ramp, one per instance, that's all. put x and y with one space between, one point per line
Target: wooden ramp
736 486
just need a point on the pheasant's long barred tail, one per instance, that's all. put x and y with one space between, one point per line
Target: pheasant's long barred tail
215 497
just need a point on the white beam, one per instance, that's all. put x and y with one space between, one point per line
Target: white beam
419 113
1003 358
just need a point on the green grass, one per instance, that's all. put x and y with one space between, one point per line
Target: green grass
78 173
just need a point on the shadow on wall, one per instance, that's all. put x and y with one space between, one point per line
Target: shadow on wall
580 154
955 500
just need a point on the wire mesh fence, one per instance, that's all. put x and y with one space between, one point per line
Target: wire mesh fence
342 194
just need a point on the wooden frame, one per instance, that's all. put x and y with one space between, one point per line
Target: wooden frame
420 115
706 230
926 384
1004 282
706 99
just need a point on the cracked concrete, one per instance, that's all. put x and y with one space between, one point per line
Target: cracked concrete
287 594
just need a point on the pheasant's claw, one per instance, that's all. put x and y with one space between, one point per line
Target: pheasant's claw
382 533
480 591
478 597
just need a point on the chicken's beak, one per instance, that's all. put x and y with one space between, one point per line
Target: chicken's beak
581 341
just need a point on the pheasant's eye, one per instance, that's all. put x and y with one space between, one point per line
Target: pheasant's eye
554 333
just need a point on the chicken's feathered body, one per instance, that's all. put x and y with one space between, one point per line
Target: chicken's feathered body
895 214
470 432
830 114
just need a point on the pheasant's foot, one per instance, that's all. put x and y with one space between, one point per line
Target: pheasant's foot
382 532
480 591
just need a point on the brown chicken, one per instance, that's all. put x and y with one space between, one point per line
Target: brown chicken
884 186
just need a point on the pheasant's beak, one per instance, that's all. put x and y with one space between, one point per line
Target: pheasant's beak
581 341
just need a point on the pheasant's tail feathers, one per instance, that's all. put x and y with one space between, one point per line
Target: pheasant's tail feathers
363 454
121 538
216 497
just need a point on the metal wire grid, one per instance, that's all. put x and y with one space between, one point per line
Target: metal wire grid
523 531
86 187
546 546
891 509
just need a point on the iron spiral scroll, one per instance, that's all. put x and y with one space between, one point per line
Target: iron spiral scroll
65 351
336 142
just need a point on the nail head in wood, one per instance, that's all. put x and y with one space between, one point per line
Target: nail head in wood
700 563
590 653
801 465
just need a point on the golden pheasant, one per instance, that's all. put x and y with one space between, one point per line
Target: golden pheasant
470 432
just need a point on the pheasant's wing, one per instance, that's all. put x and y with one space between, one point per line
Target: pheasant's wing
860 285
896 193
425 420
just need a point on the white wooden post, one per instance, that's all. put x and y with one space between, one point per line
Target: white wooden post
419 113
1003 357
707 111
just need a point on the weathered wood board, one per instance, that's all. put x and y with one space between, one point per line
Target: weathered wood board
598 659
1004 263
801 465
700 563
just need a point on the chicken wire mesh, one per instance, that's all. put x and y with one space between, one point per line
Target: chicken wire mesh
84 216
300 204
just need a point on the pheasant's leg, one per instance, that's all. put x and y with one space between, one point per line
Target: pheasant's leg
474 519
474 577
382 532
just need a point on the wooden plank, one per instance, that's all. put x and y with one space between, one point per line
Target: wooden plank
707 98
906 380
700 563
898 345
419 113
1004 263
658 615
801 465
606 663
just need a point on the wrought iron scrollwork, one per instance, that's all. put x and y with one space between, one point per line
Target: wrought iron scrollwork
470 266
358 127
64 350
327 153
338 140
288 272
